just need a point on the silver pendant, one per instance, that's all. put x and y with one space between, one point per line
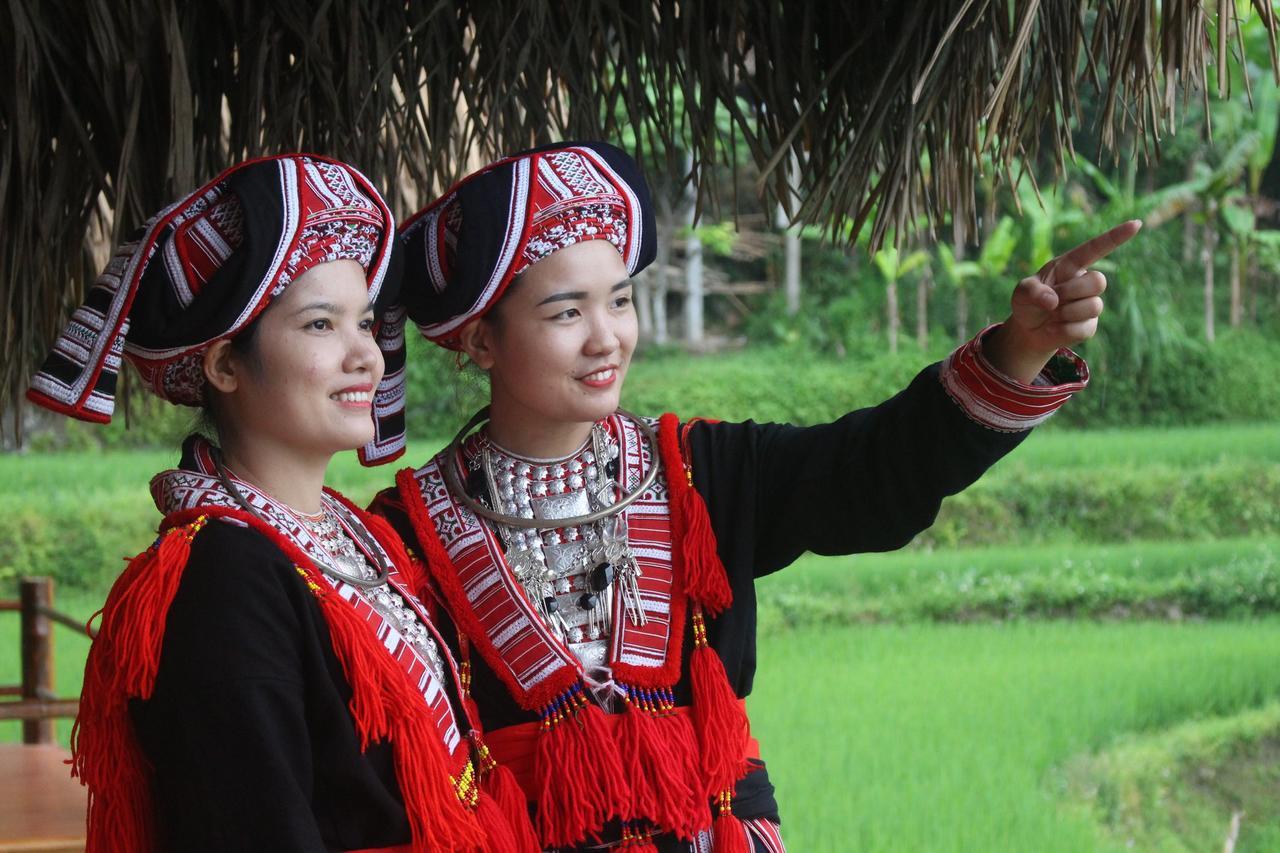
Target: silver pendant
564 558
566 505
524 565
616 551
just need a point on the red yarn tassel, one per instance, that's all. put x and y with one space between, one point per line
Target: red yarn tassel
578 772
498 835
385 707
705 578
437 818
721 722
636 742
122 665
730 836
501 785
704 575
662 750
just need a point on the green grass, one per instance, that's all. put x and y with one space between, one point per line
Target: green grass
1180 447
944 737
1179 789
1150 579
31 478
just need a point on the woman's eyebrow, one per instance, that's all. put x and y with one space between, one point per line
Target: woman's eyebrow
330 308
319 306
563 297
580 294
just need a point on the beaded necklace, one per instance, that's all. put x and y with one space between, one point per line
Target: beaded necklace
567 563
344 561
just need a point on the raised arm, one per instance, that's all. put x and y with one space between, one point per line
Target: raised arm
873 479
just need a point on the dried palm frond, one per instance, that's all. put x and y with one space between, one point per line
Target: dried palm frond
110 109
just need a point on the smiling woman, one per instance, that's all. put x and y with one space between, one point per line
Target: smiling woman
265 676
304 391
602 566
557 349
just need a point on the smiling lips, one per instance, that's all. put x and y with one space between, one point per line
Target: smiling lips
602 378
359 396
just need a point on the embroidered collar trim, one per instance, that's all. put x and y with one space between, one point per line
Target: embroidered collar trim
492 608
184 489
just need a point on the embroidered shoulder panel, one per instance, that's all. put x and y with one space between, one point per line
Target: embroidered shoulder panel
515 640
177 490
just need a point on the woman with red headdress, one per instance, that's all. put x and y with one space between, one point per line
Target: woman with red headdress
264 677
597 568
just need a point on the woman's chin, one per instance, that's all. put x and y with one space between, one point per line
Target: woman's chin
352 441
596 411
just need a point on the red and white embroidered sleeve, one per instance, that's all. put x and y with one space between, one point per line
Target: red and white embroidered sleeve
1002 403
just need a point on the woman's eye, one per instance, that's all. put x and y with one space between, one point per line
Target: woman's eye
622 301
566 314
320 325
367 324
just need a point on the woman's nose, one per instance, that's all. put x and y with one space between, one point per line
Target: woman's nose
604 335
363 353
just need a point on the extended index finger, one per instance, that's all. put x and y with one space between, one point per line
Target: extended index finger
1096 248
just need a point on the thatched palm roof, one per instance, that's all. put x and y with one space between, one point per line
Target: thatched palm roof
112 108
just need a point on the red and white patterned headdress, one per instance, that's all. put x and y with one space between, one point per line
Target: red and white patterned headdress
464 249
202 269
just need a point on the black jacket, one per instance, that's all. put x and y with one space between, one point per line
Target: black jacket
248 729
869 481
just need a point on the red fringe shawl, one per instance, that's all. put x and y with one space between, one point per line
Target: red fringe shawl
124 660
586 777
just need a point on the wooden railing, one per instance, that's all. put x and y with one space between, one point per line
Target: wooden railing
37 706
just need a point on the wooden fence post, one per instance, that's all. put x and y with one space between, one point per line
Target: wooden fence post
37 654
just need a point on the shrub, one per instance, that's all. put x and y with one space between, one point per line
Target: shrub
79 544
1109 505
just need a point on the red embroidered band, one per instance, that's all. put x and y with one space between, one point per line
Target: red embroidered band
1002 403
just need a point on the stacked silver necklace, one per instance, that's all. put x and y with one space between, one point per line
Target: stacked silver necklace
341 553
341 559
567 572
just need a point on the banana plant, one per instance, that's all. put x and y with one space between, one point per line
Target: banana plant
893 265
987 269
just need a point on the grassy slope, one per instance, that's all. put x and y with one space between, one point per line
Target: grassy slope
942 737
1167 579
1178 789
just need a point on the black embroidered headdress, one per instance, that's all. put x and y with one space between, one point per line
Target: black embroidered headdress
465 248
203 268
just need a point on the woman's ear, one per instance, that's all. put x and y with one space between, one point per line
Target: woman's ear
477 342
220 367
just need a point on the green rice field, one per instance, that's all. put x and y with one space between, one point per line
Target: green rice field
945 737
1037 688
84 472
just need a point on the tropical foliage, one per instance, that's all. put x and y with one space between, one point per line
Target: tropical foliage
109 110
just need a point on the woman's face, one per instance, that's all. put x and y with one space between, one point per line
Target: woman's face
558 344
308 382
